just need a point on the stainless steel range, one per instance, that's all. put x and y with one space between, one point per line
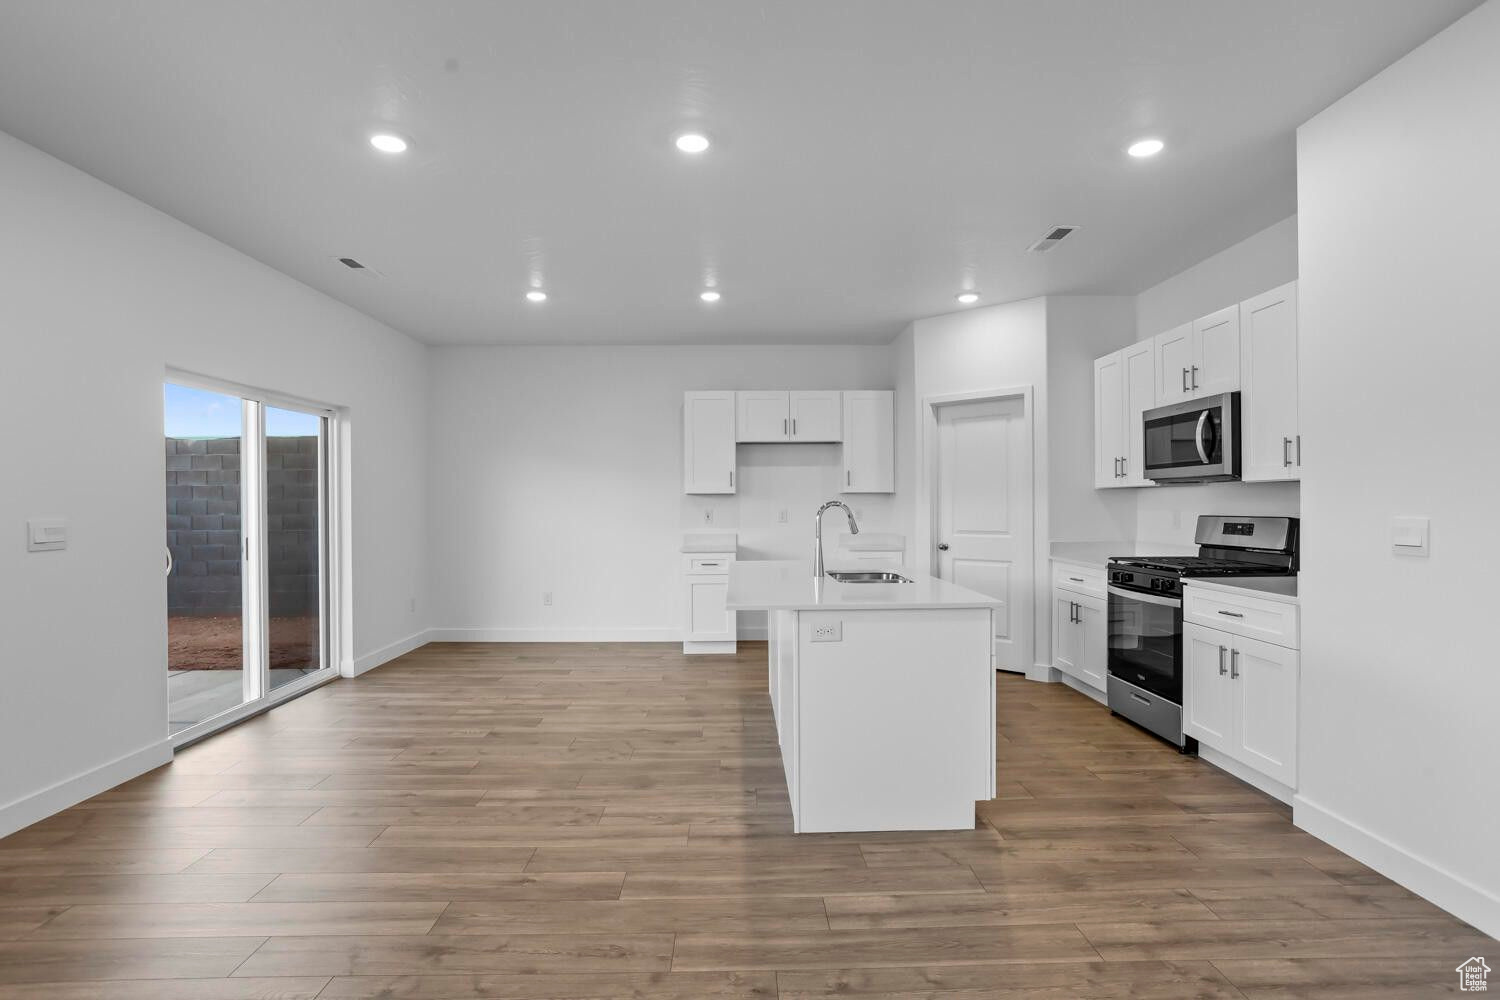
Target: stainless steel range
1145 613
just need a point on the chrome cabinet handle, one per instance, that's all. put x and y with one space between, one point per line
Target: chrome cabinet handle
1076 579
731 479
794 427
1231 614
1124 467
1234 664
1222 651
1185 388
1195 376
1077 613
1299 451
783 426
1286 453
848 478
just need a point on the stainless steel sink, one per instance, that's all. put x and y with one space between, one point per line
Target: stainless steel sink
868 577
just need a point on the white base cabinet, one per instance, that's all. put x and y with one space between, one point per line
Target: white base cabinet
708 626
1080 617
1240 692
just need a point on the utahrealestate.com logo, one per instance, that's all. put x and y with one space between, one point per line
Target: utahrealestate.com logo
1473 976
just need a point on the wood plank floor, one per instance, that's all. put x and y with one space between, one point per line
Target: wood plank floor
591 822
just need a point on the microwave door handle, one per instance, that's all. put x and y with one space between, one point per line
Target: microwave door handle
1198 437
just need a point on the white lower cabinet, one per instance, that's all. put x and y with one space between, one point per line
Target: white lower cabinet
1080 635
1240 698
708 626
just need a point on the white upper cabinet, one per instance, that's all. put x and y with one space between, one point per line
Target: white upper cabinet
708 421
1201 358
869 441
1109 421
1217 350
764 415
817 415
1124 388
1175 358
1138 362
1270 437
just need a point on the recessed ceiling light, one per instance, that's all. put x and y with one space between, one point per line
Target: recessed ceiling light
1146 147
710 296
536 295
692 142
387 142
967 298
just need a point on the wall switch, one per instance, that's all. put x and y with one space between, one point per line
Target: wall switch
1410 536
46 534
831 632
412 605
781 516
546 598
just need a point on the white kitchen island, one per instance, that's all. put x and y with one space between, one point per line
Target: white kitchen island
884 696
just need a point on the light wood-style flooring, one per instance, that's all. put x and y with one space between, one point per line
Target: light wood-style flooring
578 821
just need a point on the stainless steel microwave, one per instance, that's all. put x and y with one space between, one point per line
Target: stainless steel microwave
1194 442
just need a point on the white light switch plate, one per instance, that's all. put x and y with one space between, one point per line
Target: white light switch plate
1410 536
46 534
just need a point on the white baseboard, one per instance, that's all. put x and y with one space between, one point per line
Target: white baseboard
1248 775
481 634
37 806
1433 883
709 648
385 654
1082 688
1044 673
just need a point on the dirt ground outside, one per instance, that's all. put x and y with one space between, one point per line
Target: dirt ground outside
203 642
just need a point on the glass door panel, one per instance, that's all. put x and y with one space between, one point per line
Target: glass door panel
206 638
295 464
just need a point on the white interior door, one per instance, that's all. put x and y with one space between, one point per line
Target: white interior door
984 514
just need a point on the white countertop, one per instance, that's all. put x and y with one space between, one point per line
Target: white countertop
1096 554
710 541
787 585
1282 589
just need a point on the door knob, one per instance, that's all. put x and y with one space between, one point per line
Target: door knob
942 546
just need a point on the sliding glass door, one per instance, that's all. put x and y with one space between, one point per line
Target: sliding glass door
247 501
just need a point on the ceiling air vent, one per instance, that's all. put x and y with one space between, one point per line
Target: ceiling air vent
1054 236
351 263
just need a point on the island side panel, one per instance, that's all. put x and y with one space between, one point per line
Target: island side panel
894 719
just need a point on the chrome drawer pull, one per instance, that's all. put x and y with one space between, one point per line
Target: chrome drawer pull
1231 614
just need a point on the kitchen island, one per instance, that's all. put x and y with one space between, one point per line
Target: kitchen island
884 696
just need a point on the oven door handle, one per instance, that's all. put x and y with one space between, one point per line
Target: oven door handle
1134 595
1198 437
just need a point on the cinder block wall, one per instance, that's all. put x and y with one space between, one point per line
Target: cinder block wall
203 525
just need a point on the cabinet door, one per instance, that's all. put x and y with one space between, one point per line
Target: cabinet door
708 621
708 442
1093 644
1109 421
870 441
817 416
1175 358
1138 366
1266 699
1217 350
764 415
1066 638
1208 694
1268 385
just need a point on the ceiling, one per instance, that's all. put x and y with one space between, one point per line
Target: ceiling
870 158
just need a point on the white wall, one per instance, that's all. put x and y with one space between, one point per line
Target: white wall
996 347
1256 264
1081 328
1399 220
102 294
560 469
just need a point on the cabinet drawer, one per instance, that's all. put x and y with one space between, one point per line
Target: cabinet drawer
1252 617
708 564
1090 581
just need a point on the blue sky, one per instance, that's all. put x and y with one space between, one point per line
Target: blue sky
194 413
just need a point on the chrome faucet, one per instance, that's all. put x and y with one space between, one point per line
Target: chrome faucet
818 534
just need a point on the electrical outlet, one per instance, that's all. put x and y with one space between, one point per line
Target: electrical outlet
708 515
546 598
781 516
412 605
831 632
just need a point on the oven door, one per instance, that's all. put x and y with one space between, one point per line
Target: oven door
1194 441
1145 641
